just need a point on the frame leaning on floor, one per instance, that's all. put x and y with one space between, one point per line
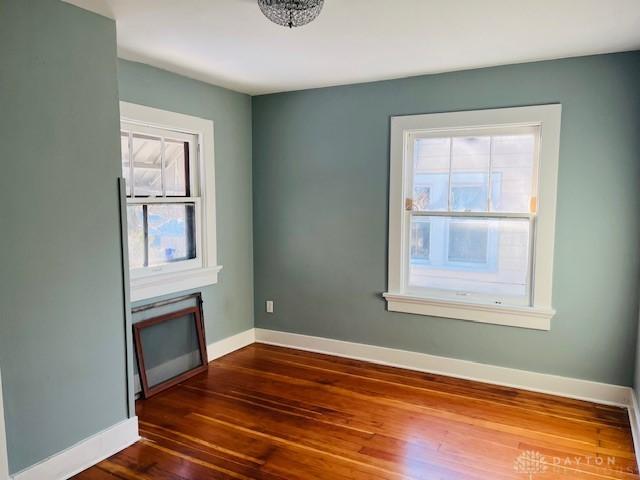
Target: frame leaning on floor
148 391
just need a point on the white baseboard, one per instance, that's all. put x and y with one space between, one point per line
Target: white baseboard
230 344
4 460
452 367
634 420
84 454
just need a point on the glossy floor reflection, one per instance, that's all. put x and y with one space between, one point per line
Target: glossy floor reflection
273 413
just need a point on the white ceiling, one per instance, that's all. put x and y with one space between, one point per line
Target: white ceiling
230 43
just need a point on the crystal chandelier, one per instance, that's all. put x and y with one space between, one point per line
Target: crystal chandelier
291 13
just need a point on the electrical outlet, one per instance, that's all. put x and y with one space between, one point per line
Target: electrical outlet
269 306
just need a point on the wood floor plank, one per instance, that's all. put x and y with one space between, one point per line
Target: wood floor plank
417 396
271 413
456 388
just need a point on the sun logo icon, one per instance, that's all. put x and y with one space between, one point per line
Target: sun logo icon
530 463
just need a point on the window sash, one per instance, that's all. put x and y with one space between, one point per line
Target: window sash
458 295
482 131
470 297
412 136
192 174
189 229
161 200
180 265
426 213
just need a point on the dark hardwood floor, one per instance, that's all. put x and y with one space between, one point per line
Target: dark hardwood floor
272 413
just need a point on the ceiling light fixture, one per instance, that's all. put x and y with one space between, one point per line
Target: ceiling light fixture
291 13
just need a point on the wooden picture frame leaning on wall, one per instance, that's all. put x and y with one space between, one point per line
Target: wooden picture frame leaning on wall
149 391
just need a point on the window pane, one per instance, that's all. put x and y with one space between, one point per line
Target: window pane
147 163
176 160
512 172
420 238
468 241
474 256
470 174
431 174
135 227
171 233
469 197
170 349
126 171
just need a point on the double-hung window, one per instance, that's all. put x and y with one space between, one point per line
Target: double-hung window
163 198
170 209
472 214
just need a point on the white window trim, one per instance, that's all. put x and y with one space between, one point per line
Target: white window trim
154 285
538 315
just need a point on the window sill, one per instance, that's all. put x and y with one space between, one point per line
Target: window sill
144 288
536 318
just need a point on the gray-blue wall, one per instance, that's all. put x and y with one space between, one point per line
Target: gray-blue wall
321 179
61 293
228 305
